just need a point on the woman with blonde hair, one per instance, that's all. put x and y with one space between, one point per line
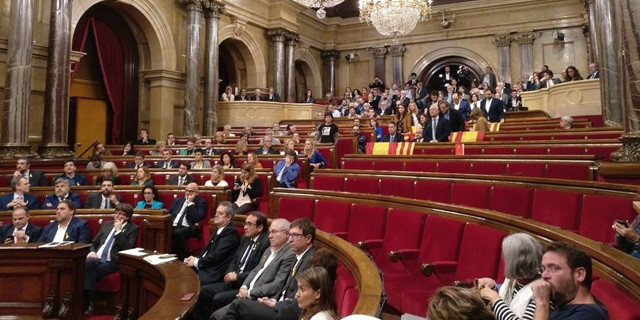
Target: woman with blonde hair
315 295
142 177
246 188
217 178
457 303
252 159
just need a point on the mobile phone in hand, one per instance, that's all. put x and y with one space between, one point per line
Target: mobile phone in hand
622 222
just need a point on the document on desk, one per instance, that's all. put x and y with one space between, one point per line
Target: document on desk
55 244
136 252
160 258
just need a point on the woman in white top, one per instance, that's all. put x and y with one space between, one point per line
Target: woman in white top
227 95
522 255
217 178
315 295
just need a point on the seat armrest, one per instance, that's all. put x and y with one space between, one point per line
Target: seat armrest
403 254
369 244
429 269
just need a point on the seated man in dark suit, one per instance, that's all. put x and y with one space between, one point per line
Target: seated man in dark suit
60 194
211 264
183 177
20 231
20 196
70 174
105 199
113 236
36 178
66 227
491 107
268 278
248 255
393 135
282 306
186 212
167 162
438 128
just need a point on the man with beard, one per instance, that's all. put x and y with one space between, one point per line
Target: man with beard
565 282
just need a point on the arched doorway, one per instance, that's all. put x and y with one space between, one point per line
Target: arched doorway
464 70
111 68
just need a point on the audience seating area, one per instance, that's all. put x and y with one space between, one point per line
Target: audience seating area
439 243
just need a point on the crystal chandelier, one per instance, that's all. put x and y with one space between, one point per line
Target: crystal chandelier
394 18
320 4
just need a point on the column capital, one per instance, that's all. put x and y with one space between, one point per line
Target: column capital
277 35
191 5
397 51
378 52
213 8
331 55
291 38
525 38
502 40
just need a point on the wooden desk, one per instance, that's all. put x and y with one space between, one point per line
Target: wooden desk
42 282
154 292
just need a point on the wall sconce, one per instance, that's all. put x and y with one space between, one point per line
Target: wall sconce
445 24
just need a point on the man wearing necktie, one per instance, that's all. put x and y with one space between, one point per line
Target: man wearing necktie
247 256
282 306
113 236
267 279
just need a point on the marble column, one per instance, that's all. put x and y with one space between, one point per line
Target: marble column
397 52
192 80
290 67
55 128
608 47
624 21
378 61
526 52
213 11
330 58
593 36
278 36
503 42
14 137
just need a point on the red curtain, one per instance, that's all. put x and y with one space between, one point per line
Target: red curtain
111 61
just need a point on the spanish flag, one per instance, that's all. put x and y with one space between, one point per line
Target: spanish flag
466 136
390 148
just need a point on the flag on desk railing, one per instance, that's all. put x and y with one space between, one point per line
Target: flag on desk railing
466 136
390 148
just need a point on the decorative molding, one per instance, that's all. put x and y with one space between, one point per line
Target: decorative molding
378 52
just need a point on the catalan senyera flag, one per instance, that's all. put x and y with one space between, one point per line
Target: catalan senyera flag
466 136
390 148
494 126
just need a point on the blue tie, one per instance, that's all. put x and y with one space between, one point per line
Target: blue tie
107 248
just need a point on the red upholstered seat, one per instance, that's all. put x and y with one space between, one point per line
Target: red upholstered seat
388 165
432 190
421 166
470 194
397 187
453 166
490 168
331 183
571 171
294 208
367 222
598 213
110 283
526 169
556 207
619 305
512 200
332 216
361 185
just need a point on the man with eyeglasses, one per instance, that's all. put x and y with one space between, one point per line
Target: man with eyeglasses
268 278
253 245
216 256
186 212
283 306
113 236
565 282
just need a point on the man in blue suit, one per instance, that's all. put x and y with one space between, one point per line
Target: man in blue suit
20 196
186 212
287 170
61 193
491 107
66 227
438 128
20 231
